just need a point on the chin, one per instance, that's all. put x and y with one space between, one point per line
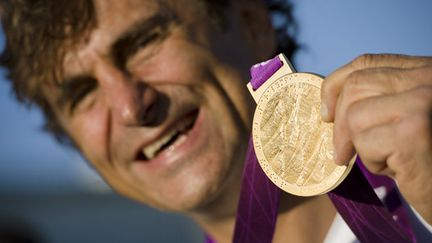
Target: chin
191 190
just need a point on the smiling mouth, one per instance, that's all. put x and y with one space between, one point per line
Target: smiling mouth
174 137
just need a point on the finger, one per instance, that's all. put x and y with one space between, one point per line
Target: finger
412 162
366 84
361 85
378 110
374 146
333 84
396 108
398 148
401 150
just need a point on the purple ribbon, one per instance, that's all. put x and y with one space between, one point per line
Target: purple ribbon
259 201
392 200
363 211
262 71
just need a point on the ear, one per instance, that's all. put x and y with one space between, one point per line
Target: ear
257 27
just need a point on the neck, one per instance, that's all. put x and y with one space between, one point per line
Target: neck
304 219
217 219
300 219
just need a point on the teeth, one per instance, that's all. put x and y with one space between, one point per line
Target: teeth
181 138
153 149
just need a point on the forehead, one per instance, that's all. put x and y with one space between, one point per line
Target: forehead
116 13
114 18
112 14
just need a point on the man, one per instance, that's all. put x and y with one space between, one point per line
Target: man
153 93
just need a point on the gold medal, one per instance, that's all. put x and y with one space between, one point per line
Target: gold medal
293 145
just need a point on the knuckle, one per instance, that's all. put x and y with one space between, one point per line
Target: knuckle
364 60
397 159
416 130
424 93
375 167
371 60
416 77
422 98
425 61
419 73
353 82
395 79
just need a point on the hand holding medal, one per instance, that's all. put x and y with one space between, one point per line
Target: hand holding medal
294 149
381 106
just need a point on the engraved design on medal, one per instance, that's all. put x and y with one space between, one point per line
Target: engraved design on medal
294 139
293 145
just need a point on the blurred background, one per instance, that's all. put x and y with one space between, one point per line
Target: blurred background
51 193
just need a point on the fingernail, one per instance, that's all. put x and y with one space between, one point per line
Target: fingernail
324 112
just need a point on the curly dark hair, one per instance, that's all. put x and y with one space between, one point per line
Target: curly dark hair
38 32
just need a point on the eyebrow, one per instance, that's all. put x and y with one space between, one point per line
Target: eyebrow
143 33
71 89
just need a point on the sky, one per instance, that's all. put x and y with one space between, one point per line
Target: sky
331 32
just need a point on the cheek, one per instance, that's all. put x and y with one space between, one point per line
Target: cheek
242 100
233 91
90 131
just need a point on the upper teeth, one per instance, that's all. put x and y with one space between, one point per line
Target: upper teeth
152 149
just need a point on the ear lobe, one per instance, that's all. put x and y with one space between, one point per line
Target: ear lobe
258 29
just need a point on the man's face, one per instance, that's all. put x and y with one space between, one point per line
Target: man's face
156 100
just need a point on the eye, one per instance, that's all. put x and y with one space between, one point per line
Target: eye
143 49
148 39
80 94
75 92
138 48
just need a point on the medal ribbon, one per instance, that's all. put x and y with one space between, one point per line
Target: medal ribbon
354 198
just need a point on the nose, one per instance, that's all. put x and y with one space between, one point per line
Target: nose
131 102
